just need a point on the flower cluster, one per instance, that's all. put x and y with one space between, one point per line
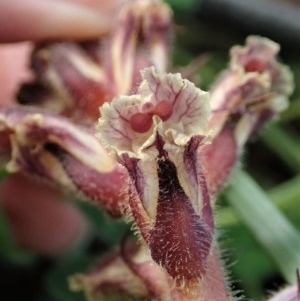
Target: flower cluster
160 152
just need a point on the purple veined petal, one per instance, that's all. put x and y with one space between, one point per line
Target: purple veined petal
183 108
164 103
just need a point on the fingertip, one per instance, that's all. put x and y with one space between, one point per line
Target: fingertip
36 20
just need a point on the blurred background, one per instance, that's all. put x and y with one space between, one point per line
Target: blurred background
258 213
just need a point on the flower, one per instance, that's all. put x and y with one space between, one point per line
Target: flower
254 88
156 134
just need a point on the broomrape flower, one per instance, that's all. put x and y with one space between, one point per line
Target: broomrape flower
160 153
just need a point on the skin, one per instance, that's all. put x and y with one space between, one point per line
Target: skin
38 217
55 19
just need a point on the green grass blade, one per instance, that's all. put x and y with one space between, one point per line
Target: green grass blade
283 196
284 144
287 193
271 229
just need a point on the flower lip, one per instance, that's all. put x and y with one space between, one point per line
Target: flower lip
164 104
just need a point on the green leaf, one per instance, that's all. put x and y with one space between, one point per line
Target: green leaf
270 228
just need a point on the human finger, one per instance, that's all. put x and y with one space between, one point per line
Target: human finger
55 19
